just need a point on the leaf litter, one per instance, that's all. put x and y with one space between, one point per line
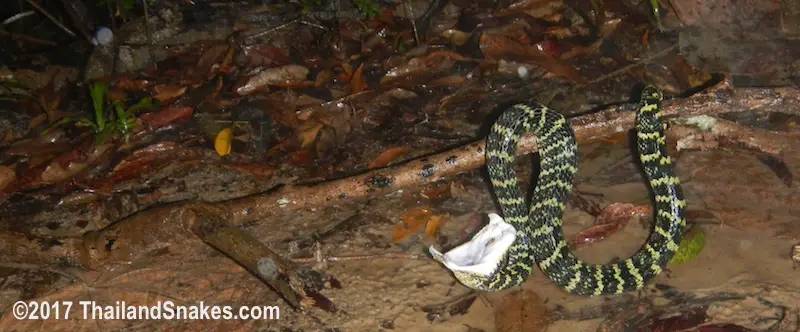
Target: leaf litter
312 102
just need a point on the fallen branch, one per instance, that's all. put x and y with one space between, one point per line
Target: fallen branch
210 226
722 131
722 98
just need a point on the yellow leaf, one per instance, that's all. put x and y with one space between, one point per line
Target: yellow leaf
434 224
222 144
387 156
410 222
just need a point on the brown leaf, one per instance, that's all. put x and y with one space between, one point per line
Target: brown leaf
166 92
452 80
418 68
323 77
301 157
595 233
129 84
71 163
166 116
388 156
357 83
501 47
456 37
308 132
7 176
54 141
285 75
410 222
611 219
146 160
437 191
210 62
117 94
280 107
265 55
522 311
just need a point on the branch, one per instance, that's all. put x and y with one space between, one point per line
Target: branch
721 98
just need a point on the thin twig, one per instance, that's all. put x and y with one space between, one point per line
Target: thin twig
278 27
410 15
27 38
18 17
394 255
149 35
633 65
45 13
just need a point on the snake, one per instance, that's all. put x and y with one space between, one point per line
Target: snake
504 252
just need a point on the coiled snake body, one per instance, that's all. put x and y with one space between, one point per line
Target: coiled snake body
504 252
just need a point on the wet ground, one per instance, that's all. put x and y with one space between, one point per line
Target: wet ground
281 124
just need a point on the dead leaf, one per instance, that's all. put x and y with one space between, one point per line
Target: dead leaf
166 116
611 219
452 80
211 61
301 157
280 107
447 54
456 37
222 143
418 68
285 75
167 92
437 191
410 222
388 156
323 77
127 83
357 83
117 94
433 226
142 161
595 233
496 47
68 165
266 55
308 132
522 311
54 141
7 176
347 72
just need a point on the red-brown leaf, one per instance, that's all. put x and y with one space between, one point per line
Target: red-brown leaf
388 156
166 116
611 219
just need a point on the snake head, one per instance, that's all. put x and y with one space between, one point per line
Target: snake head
475 262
